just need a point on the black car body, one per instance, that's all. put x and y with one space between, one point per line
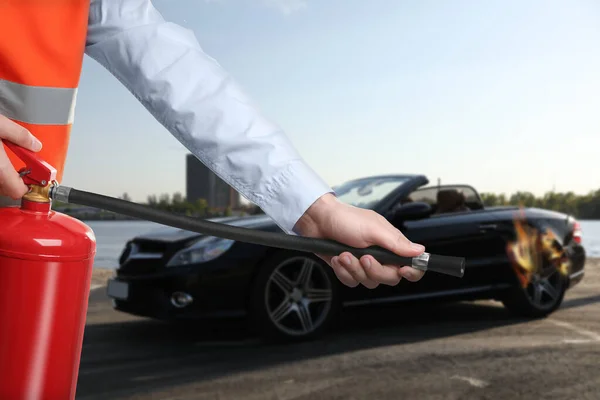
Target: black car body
175 274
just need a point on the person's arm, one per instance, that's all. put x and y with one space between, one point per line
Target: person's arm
187 91
164 67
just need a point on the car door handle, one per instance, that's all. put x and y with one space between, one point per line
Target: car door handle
488 227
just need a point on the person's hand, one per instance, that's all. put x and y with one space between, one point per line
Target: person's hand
329 218
11 184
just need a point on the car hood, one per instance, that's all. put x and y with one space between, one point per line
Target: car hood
170 234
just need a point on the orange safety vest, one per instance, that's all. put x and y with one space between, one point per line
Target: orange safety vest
42 46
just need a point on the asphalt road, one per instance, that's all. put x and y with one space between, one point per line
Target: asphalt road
461 351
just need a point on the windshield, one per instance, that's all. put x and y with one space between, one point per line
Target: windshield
366 193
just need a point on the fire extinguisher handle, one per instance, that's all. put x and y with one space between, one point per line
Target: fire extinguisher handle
36 170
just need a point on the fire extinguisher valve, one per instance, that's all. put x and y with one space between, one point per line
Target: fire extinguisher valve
37 174
39 194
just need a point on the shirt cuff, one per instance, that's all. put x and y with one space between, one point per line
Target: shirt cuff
291 193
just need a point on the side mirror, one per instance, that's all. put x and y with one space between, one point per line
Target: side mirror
412 211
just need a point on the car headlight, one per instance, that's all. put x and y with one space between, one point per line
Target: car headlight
204 250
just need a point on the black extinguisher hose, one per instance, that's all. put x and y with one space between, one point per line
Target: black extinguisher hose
454 266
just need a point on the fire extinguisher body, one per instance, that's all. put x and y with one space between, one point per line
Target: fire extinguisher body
46 261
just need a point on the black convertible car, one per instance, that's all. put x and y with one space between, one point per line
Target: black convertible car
175 274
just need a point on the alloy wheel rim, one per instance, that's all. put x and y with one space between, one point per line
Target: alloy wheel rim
544 289
298 296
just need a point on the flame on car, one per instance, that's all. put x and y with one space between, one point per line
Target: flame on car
533 252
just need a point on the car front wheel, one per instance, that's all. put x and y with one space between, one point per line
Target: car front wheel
295 297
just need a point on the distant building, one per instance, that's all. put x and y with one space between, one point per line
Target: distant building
202 183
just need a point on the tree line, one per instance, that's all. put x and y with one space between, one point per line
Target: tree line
175 203
580 206
178 204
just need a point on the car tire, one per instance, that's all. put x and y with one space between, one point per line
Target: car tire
295 297
540 298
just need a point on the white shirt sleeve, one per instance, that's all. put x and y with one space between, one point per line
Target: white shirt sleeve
164 67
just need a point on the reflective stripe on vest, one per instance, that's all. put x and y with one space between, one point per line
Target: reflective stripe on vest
41 54
36 104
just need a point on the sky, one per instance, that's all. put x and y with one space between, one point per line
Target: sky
501 95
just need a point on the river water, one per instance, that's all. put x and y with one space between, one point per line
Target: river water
111 237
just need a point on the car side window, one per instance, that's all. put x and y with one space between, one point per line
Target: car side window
424 195
447 199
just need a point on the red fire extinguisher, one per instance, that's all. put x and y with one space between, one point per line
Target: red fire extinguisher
46 261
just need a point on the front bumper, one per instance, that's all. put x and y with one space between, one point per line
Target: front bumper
156 297
144 300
